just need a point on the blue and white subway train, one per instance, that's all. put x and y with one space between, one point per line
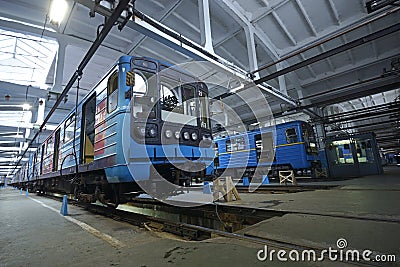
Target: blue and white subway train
144 119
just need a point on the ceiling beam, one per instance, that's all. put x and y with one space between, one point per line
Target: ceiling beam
349 25
284 28
241 17
354 93
238 14
334 51
251 49
360 65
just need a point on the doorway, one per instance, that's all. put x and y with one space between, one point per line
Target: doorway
353 156
56 150
87 136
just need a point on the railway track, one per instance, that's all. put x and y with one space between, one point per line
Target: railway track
284 188
225 215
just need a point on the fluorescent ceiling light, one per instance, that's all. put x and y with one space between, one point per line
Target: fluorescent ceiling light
26 106
58 9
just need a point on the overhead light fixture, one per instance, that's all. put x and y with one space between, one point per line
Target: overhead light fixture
58 9
375 5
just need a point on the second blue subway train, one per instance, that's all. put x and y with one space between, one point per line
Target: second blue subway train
287 146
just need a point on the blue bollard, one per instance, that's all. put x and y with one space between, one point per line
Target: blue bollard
207 188
20 191
246 181
64 206
26 193
265 179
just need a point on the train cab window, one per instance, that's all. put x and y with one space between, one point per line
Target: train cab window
69 128
291 136
178 102
145 94
112 92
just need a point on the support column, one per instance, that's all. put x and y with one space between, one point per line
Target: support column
59 68
320 129
281 80
205 25
251 50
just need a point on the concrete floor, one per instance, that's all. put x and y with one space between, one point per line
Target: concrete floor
365 211
33 233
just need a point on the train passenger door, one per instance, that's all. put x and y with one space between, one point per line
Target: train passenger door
42 155
264 147
87 134
56 150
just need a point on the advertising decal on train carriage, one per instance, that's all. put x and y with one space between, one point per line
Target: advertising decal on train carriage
100 125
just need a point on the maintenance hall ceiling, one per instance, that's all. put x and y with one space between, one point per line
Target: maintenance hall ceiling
358 81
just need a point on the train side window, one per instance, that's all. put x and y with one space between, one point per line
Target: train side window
228 145
291 136
69 128
241 143
234 145
49 146
112 92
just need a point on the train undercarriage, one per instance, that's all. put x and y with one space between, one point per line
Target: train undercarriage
92 186
271 171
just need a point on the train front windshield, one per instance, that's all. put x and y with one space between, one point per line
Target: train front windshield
178 103
145 95
309 139
171 97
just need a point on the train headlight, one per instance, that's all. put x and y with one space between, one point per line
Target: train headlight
177 134
152 132
186 135
194 136
168 133
142 131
